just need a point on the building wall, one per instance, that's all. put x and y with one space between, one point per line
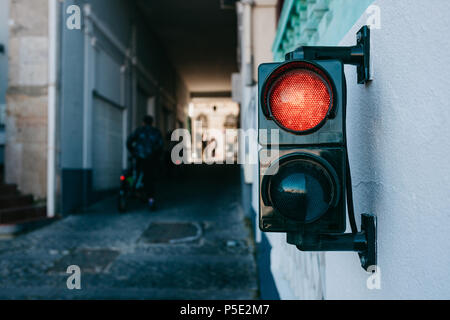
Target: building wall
301 275
4 22
98 88
26 114
91 160
255 49
257 28
398 135
315 22
263 28
397 132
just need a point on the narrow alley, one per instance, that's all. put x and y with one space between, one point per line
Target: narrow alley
224 150
196 245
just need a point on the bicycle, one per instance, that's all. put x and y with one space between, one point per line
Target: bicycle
131 186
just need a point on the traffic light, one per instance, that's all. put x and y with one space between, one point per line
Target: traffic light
305 187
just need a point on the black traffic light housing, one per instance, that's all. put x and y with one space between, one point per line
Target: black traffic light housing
329 131
305 185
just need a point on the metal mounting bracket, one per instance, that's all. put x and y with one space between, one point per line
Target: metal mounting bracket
368 256
358 55
364 68
363 242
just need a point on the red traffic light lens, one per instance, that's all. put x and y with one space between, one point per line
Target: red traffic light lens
300 99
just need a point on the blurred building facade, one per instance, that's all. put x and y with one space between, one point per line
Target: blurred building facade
397 129
257 21
210 120
4 10
82 74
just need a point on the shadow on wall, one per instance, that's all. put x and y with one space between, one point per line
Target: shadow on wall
364 136
267 287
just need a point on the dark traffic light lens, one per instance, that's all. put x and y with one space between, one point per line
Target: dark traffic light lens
302 190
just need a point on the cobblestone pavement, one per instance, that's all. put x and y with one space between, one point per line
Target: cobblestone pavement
116 261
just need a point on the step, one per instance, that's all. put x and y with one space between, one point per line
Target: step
22 214
15 201
8 231
8 189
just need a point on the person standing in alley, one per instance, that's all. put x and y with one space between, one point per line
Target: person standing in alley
146 145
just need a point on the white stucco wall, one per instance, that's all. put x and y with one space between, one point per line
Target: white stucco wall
398 138
4 17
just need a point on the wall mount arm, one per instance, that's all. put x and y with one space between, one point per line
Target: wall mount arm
358 55
363 242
